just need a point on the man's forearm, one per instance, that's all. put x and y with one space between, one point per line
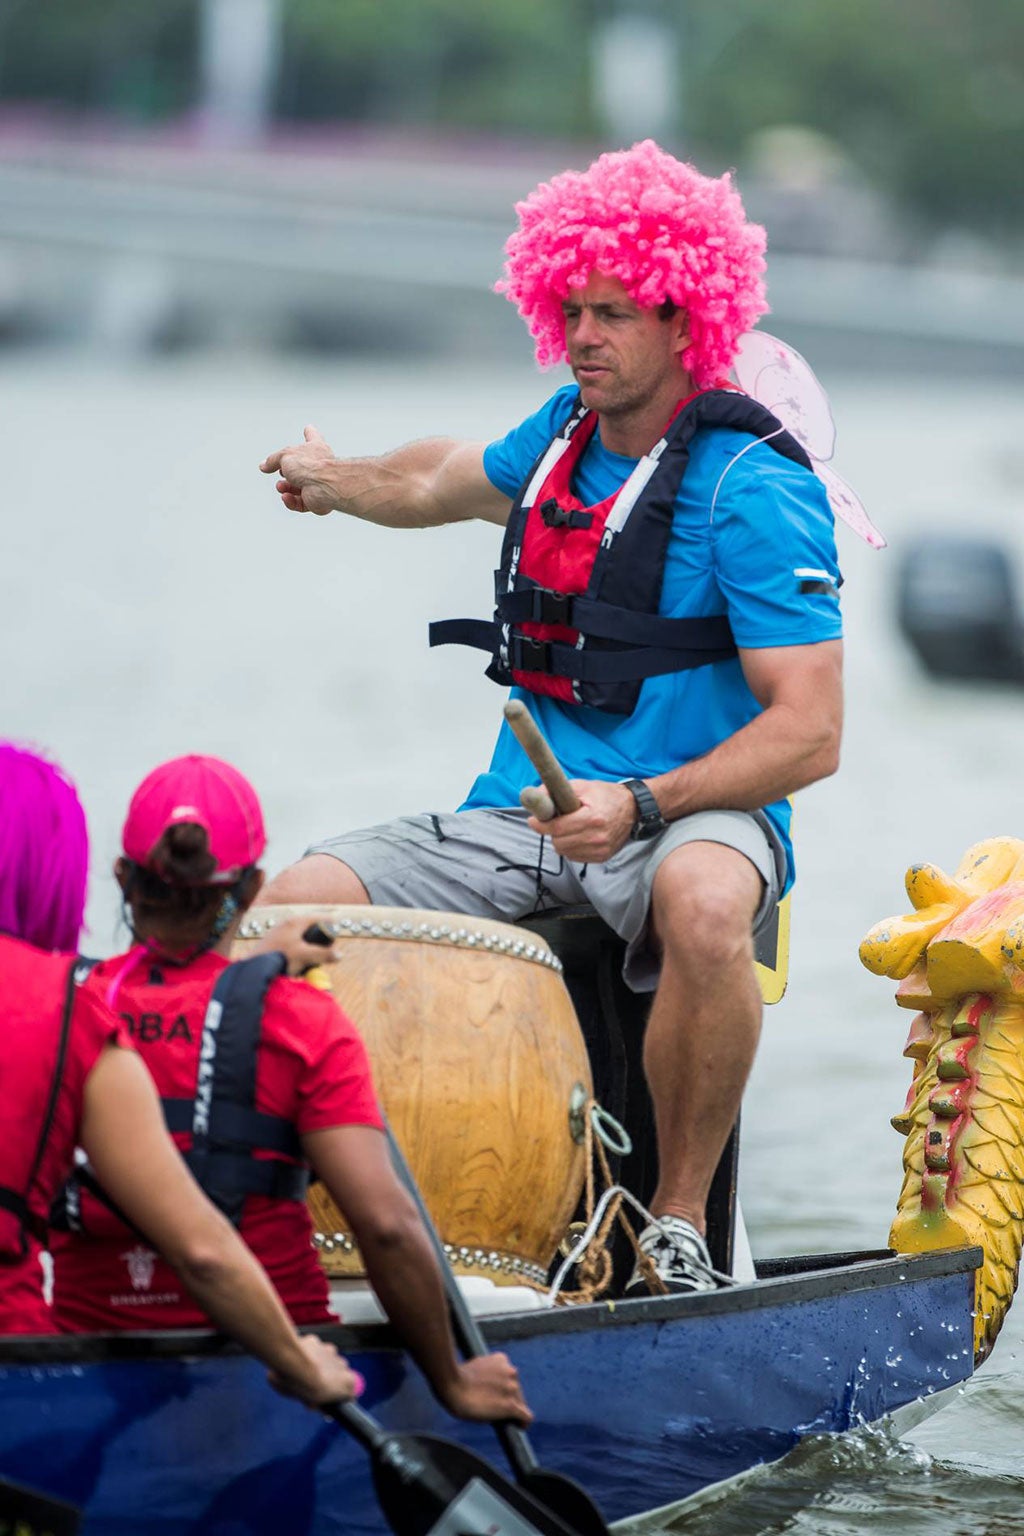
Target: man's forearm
394 490
773 756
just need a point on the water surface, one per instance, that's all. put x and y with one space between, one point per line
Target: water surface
155 599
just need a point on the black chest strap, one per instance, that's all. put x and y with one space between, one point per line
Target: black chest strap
225 1125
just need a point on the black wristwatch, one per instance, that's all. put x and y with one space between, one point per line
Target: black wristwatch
649 820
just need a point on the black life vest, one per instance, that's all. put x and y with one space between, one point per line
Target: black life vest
222 1119
578 589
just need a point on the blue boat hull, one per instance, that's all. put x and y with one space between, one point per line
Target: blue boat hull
644 1403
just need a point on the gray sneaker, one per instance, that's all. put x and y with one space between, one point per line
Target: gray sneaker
680 1256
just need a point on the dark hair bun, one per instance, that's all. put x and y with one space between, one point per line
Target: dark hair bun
183 857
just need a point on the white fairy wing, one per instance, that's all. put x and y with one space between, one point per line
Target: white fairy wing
783 381
847 505
775 375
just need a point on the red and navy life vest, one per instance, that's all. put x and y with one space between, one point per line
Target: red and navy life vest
222 1119
22 1164
578 589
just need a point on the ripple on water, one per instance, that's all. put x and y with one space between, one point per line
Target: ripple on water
864 1483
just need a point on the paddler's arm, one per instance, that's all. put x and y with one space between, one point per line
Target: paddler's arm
124 1135
421 485
354 1163
792 743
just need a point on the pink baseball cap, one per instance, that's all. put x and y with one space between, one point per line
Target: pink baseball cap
207 792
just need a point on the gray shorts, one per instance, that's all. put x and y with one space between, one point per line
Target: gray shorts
490 864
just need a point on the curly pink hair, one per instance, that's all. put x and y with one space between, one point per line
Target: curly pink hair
659 226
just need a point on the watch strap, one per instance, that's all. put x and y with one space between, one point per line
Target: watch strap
649 820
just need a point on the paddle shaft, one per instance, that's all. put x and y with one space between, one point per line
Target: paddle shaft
468 1336
532 741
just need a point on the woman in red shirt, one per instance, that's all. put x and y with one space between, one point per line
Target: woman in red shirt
261 1078
66 1075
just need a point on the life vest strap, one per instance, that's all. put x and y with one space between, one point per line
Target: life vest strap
547 656
480 634
228 1177
17 1206
602 621
227 1078
606 621
235 1123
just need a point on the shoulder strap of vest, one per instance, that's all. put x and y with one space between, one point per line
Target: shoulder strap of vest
225 1125
734 409
484 634
16 1201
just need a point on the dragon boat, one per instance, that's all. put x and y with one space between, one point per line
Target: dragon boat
647 1403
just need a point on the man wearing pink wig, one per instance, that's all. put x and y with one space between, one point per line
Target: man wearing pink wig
667 608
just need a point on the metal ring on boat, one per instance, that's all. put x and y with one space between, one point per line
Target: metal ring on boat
607 1129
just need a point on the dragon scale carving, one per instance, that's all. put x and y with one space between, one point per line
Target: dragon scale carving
959 960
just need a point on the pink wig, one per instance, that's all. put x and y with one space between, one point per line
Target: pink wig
44 851
659 226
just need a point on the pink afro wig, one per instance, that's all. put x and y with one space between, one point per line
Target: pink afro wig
44 851
659 226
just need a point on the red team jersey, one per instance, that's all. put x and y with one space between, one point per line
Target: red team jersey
312 1070
32 992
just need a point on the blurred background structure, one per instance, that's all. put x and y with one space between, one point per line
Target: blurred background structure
303 173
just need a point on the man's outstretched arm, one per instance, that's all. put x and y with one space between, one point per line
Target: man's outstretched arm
422 485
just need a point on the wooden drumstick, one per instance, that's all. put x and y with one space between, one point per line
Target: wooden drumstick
528 734
538 802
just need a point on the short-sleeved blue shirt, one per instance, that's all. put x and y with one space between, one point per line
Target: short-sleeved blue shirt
752 538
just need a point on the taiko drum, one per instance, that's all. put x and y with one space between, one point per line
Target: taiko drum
479 1062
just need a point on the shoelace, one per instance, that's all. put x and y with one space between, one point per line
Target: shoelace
579 1248
699 1266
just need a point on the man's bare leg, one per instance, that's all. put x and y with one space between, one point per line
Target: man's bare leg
317 880
705 1020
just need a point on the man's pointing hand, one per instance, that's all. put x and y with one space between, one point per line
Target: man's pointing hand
305 483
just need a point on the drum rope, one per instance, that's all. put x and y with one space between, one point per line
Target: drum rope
591 1252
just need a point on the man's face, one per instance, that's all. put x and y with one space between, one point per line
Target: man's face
621 355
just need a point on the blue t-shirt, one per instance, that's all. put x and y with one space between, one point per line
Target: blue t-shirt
769 537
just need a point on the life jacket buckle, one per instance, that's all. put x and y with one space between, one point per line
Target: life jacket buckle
550 607
530 655
555 516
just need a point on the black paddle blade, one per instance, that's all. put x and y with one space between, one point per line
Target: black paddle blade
566 1499
32 1514
428 1486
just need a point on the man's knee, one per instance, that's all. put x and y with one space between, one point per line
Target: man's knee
317 879
703 906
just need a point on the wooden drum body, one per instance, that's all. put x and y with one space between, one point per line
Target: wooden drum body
479 1061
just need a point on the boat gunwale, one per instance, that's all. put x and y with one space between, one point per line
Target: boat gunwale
786 1282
